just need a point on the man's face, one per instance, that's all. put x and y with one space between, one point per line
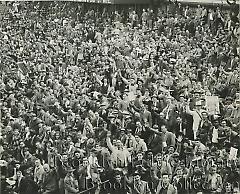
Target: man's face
119 143
137 178
163 129
171 150
96 114
138 93
159 159
77 154
37 163
196 95
140 156
214 170
137 138
165 179
26 153
204 115
64 158
69 139
16 132
118 178
223 123
150 155
114 142
161 115
57 135
179 120
19 174
85 162
179 172
46 168
216 123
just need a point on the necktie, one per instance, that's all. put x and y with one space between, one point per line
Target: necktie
138 186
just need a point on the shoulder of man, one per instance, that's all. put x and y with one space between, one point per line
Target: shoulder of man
144 182
172 187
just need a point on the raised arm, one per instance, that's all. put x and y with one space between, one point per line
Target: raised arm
109 143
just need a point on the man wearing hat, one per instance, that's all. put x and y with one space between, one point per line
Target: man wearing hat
137 185
146 116
49 182
117 184
214 181
197 118
154 139
70 183
164 185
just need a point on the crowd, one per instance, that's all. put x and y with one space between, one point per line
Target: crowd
94 101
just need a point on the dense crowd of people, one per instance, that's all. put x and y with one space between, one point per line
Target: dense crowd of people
95 101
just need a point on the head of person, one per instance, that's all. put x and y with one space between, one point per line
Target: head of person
165 178
228 188
138 92
161 115
216 123
171 150
129 132
140 156
22 145
119 144
26 152
196 95
205 115
136 177
213 169
37 163
224 123
19 174
77 154
159 158
85 162
163 129
198 105
118 177
137 138
46 168
65 157
97 114
179 119
179 171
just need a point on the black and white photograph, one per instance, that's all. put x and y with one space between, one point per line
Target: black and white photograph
120 97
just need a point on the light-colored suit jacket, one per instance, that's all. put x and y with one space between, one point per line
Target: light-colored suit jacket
142 188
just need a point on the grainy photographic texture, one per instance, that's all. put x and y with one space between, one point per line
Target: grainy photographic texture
120 97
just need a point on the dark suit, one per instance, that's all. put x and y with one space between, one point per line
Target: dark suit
26 185
154 143
50 182
178 128
118 187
